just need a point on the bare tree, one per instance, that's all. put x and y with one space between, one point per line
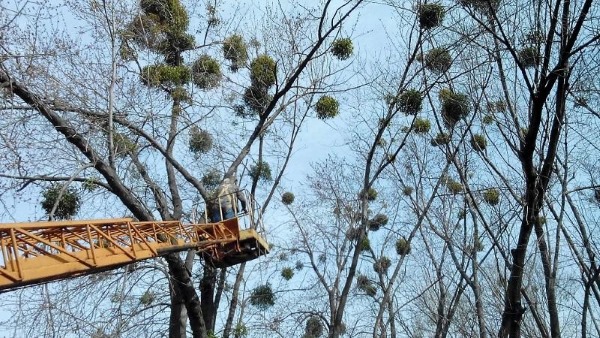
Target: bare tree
462 200
134 140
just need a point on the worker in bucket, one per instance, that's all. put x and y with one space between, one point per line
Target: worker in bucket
224 205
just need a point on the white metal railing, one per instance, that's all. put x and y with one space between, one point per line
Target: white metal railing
252 219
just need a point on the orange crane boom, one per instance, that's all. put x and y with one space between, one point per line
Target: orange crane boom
40 252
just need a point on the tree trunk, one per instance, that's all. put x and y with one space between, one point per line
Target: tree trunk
181 279
207 294
513 309
234 301
176 330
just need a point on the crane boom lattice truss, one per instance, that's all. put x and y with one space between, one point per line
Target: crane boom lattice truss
44 251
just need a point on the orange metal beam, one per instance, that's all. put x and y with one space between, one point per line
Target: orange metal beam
44 251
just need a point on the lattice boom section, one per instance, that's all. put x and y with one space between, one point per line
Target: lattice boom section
45 251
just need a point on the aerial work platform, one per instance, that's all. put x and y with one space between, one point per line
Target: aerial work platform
39 252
